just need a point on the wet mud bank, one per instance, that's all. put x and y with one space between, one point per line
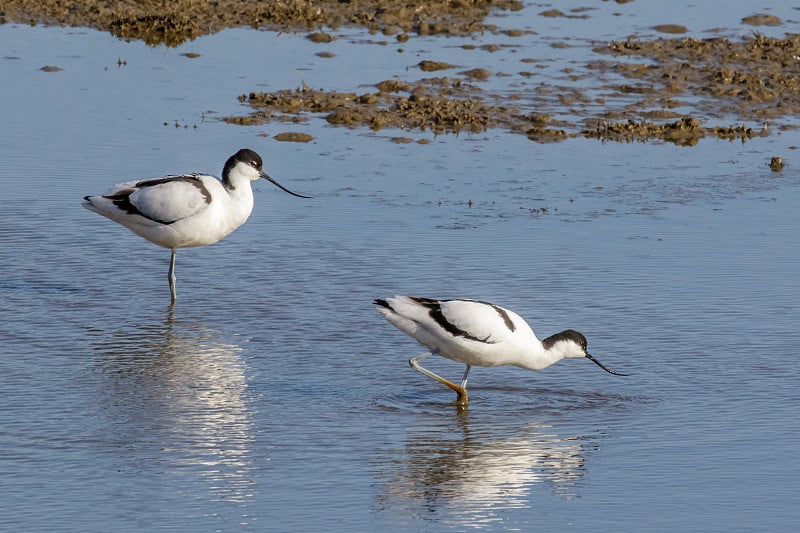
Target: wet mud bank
676 89
172 23
756 79
437 105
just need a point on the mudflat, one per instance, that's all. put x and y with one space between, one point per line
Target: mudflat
676 89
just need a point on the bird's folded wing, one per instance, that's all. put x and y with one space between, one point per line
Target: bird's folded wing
476 320
170 199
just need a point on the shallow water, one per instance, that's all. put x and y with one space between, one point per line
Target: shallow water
273 396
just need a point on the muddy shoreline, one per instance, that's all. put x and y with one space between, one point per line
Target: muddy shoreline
755 79
172 23
671 89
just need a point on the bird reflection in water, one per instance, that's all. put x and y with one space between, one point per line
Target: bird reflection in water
178 391
471 479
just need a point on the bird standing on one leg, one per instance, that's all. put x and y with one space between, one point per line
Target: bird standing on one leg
186 210
477 334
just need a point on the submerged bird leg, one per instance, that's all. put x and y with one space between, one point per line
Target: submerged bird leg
462 399
171 276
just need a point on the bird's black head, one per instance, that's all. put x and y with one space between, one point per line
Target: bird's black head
566 335
249 157
576 339
246 156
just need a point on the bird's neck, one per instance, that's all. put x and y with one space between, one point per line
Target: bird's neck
237 183
538 357
240 202
239 189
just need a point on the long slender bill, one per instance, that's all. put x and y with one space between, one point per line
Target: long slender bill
282 187
598 363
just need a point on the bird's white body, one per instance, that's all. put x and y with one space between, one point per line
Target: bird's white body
477 334
186 210
180 211
473 332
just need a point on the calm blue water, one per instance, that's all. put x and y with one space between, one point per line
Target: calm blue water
273 397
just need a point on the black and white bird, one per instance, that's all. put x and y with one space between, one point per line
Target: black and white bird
186 210
478 334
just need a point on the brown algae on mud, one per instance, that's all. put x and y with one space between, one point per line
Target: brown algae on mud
684 132
294 137
757 78
438 105
172 23
385 108
677 90
431 66
670 28
761 19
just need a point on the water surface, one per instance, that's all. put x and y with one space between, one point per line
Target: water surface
273 396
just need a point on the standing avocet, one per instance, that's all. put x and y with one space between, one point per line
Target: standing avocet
477 334
186 210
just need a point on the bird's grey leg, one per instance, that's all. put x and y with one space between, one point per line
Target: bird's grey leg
171 276
463 399
464 379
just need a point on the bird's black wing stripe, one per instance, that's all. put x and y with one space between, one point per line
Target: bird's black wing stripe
435 311
427 302
123 201
502 312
